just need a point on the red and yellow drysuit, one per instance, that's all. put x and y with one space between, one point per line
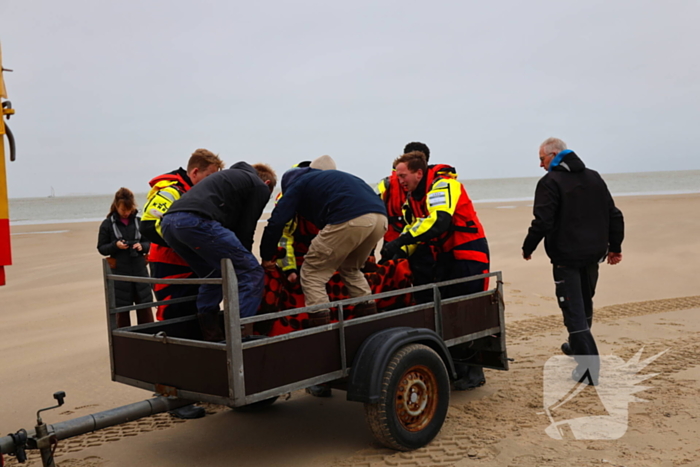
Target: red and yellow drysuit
164 262
440 214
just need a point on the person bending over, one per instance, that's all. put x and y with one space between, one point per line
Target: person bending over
351 219
216 219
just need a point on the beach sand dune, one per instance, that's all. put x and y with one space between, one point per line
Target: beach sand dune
53 337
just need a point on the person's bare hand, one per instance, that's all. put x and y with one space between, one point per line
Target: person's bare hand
527 258
268 264
614 258
122 245
138 247
293 277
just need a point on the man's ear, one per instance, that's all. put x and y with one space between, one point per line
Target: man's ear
269 184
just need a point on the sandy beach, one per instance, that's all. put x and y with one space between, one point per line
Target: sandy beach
53 337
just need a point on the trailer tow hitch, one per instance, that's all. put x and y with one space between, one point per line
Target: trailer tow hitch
40 439
45 437
45 442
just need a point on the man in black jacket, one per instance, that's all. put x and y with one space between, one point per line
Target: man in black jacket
216 219
576 215
351 219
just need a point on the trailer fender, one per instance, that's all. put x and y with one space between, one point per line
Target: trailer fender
375 352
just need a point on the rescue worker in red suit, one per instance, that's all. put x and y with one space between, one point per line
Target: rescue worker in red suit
439 214
394 195
164 262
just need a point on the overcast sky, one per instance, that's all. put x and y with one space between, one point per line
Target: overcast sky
110 94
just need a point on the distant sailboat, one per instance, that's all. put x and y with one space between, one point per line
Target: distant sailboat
53 193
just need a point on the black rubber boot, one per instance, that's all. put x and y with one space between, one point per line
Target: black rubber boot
189 412
319 390
585 376
209 324
566 349
470 377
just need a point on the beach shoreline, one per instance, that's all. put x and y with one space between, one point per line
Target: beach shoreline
502 204
25 211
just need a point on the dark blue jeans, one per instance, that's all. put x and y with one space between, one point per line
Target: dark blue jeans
203 243
575 288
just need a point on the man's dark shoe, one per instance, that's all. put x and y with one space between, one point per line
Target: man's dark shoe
189 412
584 376
566 349
209 324
319 390
319 319
365 309
466 384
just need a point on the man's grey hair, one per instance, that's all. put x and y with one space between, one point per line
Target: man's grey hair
553 145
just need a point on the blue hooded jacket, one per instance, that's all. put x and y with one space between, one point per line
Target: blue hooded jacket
321 196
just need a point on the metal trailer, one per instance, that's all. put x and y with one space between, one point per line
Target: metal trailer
399 363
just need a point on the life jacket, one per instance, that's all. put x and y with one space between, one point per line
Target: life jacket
178 176
465 238
165 190
394 196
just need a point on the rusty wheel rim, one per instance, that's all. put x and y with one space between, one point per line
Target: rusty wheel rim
416 398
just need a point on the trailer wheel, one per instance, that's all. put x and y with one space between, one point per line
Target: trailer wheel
414 398
256 406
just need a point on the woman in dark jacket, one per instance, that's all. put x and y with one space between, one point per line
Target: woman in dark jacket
120 239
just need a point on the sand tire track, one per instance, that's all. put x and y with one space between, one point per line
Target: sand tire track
522 330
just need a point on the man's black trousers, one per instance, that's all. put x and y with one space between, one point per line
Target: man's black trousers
575 288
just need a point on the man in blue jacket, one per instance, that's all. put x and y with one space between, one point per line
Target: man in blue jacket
351 219
216 219
576 216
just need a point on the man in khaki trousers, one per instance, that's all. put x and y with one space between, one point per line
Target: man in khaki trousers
352 220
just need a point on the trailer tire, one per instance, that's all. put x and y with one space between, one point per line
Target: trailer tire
256 406
414 398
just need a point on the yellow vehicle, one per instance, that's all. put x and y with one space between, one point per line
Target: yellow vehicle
7 110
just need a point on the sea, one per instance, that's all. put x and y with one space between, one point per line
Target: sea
61 209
